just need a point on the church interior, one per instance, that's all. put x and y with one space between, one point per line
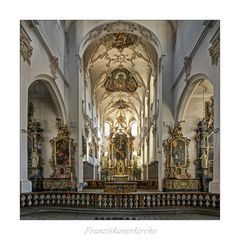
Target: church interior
120 116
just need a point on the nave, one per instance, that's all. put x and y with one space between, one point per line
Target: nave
120 115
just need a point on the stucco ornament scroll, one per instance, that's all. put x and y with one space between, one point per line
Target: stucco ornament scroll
54 66
187 66
214 51
25 48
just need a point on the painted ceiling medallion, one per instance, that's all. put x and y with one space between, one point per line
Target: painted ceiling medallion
121 104
120 40
121 80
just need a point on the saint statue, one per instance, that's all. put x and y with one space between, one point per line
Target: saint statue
204 158
35 159
120 169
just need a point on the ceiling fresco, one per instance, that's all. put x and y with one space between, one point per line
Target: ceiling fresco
119 40
120 66
121 80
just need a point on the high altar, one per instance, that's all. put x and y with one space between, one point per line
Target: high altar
118 167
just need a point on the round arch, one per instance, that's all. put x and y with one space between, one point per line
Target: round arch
122 26
186 94
54 93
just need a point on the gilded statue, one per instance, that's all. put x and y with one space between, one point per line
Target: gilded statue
120 146
120 168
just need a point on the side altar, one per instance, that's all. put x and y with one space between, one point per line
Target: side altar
62 161
177 177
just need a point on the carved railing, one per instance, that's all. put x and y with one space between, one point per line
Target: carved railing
108 200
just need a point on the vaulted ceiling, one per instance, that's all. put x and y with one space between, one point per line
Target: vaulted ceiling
120 66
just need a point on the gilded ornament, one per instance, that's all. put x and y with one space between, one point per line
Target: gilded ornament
176 153
117 187
182 184
63 153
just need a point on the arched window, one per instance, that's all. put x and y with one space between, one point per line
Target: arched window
134 130
107 129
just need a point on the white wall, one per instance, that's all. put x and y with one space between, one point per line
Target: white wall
188 31
40 69
54 35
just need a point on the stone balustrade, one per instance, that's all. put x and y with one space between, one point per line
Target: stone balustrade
108 200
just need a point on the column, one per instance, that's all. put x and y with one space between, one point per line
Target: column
147 154
25 184
160 157
144 177
81 128
154 127
94 160
214 186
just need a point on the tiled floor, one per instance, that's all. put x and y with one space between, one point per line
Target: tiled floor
76 215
